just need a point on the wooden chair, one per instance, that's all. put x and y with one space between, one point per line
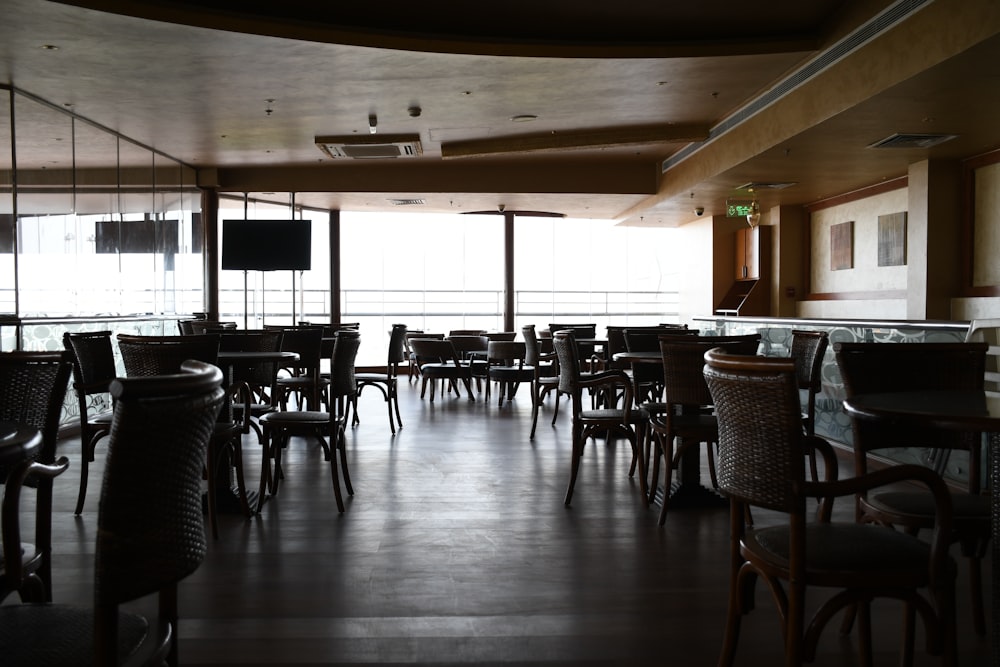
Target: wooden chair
625 420
32 389
387 382
506 367
868 368
304 380
150 530
687 416
545 374
153 356
472 350
762 450
326 426
438 360
93 370
253 388
808 349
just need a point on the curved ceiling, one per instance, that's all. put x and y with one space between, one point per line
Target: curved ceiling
616 92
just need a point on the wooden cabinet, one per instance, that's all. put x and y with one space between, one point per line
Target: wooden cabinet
750 292
748 253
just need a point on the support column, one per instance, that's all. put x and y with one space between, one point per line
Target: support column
336 307
210 250
933 253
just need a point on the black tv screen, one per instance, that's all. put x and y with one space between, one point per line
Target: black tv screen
267 245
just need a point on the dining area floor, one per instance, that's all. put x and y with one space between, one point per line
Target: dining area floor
456 549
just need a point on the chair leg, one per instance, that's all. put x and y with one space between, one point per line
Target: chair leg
394 402
84 465
536 400
575 462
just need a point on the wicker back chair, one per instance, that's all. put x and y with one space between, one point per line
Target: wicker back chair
545 374
150 529
323 425
762 450
626 420
387 382
150 356
93 370
687 416
883 367
253 387
32 389
808 349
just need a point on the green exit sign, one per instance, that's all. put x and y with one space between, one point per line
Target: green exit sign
738 208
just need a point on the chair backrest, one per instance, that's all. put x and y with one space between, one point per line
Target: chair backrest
465 344
532 352
506 353
647 339
760 455
501 335
397 347
32 390
434 350
808 349
568 355
209 326
150 527
93 362
683 363
466 332
868 368
584 330
146 356
735 344
345 352
308 343
988 330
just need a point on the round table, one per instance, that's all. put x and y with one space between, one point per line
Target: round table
18 442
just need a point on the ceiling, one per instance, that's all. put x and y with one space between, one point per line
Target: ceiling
643 111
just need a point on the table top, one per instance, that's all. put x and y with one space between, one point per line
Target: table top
952 409
18 442
240 355
642 357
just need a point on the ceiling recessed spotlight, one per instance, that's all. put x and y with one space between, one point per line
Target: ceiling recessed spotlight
523 118
49 47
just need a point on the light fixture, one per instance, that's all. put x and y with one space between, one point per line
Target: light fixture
753 217
372 123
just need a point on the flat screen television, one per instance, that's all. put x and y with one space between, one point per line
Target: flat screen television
267 245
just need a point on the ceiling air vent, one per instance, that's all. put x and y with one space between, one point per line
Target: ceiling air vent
899 140
369 147
757 185
407 202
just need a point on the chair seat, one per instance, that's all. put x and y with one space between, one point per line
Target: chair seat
512 373
836 553
292 418
101 418
638 416
917 506
372 377
56 634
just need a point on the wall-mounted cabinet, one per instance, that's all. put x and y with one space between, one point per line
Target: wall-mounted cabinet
750 293
748 253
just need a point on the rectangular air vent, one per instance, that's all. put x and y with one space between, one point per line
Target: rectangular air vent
407 202
372 146
900 140
758 185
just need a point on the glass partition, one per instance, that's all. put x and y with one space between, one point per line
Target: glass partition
116 219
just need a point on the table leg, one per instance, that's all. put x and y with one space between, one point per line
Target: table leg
688 491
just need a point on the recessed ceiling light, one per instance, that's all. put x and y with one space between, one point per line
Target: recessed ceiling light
49 47
523 118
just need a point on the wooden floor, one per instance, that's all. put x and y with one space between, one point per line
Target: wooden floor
456 549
